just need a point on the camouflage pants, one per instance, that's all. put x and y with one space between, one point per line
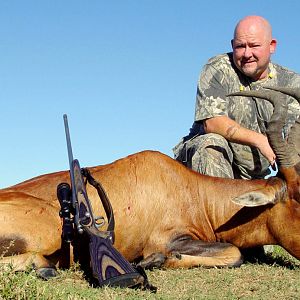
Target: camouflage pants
210 154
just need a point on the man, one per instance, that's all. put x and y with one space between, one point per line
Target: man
228 136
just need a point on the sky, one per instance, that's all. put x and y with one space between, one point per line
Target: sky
124 71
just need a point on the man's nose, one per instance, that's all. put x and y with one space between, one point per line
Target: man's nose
248 52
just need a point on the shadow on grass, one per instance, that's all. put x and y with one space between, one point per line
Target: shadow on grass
258 256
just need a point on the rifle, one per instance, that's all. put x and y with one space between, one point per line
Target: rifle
109 267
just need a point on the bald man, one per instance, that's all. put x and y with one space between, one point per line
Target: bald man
228 136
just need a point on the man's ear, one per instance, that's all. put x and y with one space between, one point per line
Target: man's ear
273 45
231 44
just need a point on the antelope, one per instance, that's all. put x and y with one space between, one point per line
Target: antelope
166 215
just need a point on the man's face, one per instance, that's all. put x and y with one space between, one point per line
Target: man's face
252 50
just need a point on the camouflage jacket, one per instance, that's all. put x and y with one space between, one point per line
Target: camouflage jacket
220 77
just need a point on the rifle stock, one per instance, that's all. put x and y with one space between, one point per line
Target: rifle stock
109 267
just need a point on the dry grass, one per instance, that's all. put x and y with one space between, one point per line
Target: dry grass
278 277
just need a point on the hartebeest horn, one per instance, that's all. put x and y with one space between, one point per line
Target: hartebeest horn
275 124
294 135
294 92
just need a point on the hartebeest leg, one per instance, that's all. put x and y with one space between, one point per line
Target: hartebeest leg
30 232
42 266
184 252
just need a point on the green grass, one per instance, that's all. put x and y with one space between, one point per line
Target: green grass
278 277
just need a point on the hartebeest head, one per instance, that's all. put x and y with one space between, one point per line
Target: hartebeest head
286 149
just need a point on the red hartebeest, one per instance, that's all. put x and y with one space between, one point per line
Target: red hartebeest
166 215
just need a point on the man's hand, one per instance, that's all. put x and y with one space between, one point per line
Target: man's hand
265 148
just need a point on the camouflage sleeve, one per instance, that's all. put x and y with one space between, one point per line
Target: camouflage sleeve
211 94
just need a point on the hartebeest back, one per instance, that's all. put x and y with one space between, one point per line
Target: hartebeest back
165 214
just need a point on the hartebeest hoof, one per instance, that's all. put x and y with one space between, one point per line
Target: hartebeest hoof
154 260
46 273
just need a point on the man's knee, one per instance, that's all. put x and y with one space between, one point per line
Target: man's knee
210 154
213 139
215 146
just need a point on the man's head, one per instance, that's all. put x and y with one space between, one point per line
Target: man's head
252 46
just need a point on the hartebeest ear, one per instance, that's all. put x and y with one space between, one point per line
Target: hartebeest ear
275 191
255 198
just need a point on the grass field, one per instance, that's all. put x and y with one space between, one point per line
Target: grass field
277 277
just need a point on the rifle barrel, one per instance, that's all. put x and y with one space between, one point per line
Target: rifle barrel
71 160
69 146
